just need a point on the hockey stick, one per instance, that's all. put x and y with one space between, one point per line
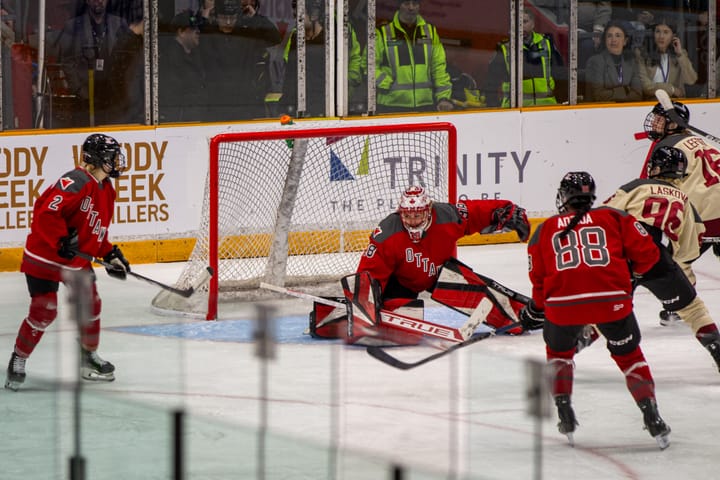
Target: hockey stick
302 295
508 292
667 105
381 354
183 292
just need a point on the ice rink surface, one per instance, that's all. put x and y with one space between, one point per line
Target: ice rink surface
464 413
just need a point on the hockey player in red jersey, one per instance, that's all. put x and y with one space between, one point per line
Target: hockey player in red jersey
408 247
405 256
580 265
670 218
71 216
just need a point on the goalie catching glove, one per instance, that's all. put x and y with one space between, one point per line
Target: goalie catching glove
119 266
531 318
510 218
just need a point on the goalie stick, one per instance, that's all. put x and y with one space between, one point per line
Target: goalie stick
381 354
667 105
183 292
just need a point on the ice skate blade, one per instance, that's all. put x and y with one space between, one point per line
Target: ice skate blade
94 376
663 441
14 386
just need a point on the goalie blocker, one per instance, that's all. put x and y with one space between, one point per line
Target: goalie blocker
401 320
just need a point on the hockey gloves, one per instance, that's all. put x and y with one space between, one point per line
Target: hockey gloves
531 318
118 265
509 218
69 245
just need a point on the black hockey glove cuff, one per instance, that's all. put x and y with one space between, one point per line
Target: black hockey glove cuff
510 218
69 245
531 318
119 266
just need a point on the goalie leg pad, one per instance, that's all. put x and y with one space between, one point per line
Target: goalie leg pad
327 321
387 334
363 300
460 288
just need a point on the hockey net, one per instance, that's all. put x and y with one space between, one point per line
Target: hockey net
296 206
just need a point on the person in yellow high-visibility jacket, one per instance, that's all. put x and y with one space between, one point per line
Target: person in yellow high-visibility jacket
410 73
542 66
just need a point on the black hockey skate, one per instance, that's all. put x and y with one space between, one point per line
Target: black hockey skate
566 414
15 372
654 424
95 368
714 349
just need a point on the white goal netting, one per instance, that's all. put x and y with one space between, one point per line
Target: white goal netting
296 206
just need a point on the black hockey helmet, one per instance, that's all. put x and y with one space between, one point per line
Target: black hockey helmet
671 162
657 129
577 191
101 151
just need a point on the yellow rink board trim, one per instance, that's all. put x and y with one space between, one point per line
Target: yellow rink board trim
303 243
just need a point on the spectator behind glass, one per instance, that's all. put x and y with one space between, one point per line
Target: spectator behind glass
592 17
86 45
314 63
542 64
127 77
183 89
613 75
667 65
234 48
411 68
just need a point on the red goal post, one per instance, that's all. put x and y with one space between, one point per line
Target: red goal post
295 206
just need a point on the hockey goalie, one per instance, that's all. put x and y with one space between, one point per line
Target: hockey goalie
409 252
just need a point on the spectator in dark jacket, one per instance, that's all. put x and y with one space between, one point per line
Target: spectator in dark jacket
183 89
235 52
613 75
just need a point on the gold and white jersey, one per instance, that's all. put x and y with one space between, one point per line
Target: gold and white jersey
702 184
668 209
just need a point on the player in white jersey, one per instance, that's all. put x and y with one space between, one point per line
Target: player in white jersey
671 219
702 182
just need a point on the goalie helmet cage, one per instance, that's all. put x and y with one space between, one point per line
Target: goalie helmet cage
296 206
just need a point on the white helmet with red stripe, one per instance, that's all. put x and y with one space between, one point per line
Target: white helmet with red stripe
415 211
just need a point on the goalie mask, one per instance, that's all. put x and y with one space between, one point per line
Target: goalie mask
667 162
576 192
104 151
415 212
657 124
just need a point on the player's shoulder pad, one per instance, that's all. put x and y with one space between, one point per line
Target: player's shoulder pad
446 213
632 185
387 227
72 181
